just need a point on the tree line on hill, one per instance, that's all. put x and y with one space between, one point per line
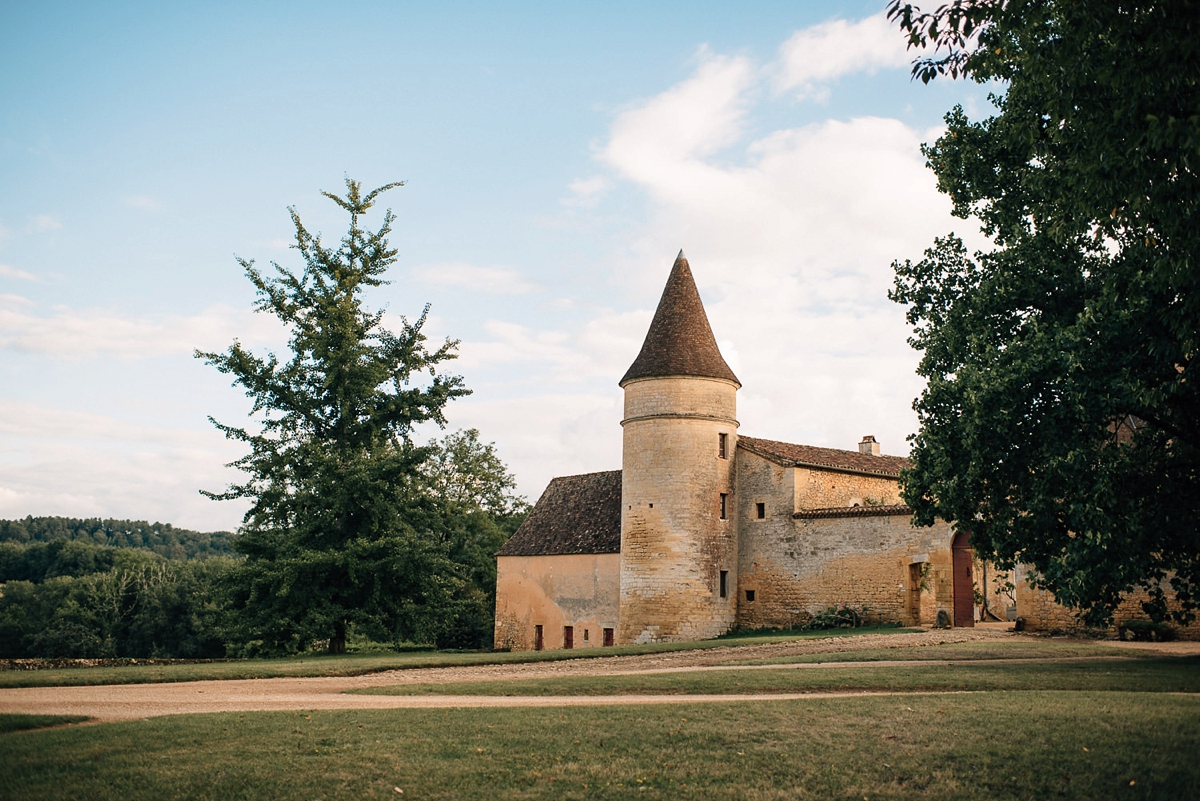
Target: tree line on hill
162 538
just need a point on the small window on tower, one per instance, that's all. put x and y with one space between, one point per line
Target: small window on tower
724 583
724 505
760 509
723 446
749 596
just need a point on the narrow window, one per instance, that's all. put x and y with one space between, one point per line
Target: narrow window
749 596
724 504
724 583
608 637
722 446
585 635
538 642
568 636
761 510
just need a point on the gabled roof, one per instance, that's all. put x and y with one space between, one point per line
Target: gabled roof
576 514
680 340
789 455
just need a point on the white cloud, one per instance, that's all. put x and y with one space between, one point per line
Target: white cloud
815 56
57 461
489 280
12 272
586 192
78 333
143 203
44 222
791 236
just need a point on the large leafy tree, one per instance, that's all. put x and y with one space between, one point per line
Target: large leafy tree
341 530
1061 419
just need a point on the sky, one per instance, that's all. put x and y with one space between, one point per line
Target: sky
556 158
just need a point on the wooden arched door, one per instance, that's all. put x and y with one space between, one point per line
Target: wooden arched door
964 580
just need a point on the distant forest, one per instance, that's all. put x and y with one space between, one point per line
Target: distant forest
161 538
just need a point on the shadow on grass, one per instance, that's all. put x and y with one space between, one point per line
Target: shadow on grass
309 665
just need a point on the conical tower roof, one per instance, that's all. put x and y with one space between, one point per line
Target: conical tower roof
680 340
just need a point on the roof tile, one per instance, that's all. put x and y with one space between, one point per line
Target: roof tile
830 458
576 514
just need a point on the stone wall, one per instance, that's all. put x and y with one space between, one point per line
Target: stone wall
1041 613
822 489
674 542
796 567
579 590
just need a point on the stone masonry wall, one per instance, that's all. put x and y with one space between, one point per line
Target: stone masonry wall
823 489
1042 613
674 543
798 567
579 590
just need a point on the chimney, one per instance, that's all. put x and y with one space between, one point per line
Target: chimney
869 445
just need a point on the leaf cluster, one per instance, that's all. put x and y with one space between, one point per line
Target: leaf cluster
1061 419
340 530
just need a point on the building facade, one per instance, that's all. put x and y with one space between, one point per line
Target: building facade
704 530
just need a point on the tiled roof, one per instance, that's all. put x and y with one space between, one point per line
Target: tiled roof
787 454
856 511
576 514
680 340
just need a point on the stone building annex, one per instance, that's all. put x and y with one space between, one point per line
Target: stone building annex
704 530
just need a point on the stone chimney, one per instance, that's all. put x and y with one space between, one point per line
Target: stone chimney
869 445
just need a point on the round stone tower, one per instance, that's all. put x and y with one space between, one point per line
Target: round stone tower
678 521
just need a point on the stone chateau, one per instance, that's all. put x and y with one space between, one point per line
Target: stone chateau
703 530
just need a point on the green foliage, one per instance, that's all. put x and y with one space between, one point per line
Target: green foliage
145 608
161 538
1061 418
842 616
43 560
341 531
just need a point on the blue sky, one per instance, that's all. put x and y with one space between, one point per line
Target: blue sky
556 160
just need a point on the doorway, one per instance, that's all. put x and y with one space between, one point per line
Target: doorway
914 592
539 641
964 580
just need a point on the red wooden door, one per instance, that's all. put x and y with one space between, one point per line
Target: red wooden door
568 636
964 581
538 642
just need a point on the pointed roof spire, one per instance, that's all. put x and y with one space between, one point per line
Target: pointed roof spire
680 340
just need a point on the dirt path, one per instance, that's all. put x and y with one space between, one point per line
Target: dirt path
133 701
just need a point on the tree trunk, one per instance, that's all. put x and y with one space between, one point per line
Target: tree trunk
337 643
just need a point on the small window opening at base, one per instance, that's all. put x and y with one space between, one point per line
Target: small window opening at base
749 596
760 509
586 632
724 583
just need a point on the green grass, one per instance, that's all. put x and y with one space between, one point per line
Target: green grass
25 722
1048 649
1170 674
1002 746
360 664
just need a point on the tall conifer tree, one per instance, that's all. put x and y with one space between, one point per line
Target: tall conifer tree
339 528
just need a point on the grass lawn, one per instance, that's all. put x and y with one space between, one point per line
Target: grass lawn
24 722
1163 674
1004 745
360 664
1045 649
